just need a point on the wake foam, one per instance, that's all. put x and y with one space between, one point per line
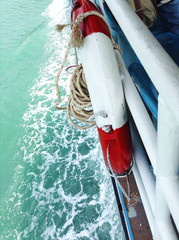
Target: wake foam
60 189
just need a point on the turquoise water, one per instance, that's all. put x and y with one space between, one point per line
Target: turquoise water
53 182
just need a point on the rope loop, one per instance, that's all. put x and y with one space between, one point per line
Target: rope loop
79 103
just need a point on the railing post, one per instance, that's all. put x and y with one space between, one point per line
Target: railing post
167 170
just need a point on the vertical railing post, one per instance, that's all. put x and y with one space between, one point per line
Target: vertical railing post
163 229
167 169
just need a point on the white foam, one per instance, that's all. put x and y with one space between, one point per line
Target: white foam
47 134
49 232
57 10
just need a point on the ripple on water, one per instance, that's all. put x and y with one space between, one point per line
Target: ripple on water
60 189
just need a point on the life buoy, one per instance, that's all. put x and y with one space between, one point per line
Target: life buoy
105 89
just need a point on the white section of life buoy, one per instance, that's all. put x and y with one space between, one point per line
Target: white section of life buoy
103 80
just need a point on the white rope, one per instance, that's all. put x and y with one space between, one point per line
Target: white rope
115 177
128 186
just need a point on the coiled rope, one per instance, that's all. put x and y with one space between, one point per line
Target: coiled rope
79 103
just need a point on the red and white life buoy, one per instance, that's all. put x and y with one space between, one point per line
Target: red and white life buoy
105 88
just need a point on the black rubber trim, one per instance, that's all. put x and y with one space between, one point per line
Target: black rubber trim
120 209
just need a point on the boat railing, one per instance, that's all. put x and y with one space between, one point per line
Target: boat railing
159 186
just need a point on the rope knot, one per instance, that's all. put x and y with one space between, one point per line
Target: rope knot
60 27
79 18
77 36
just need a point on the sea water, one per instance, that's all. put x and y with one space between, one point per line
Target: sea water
53 180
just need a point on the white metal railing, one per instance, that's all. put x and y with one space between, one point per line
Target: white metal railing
142 172
162 70
160 197
144 124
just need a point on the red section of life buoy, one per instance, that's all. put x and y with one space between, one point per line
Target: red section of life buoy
120 149
89 25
